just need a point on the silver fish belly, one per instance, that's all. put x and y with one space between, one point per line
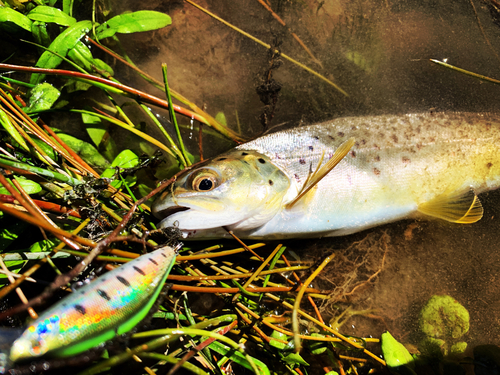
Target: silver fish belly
400 165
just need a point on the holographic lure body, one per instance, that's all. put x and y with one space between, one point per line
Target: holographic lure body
111 305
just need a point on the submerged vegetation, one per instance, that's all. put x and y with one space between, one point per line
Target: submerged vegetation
74 209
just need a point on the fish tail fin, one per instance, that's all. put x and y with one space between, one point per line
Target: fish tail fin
462 207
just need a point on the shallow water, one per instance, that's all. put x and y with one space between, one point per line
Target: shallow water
377 51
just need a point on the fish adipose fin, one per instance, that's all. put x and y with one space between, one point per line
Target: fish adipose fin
319 173
461 207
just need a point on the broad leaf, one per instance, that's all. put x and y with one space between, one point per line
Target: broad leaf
49 14
67 40
143 20
43 96
7 124
10 15
87 152
31 187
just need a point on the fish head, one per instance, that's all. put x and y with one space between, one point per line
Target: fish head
241 189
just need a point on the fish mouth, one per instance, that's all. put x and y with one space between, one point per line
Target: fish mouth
170 211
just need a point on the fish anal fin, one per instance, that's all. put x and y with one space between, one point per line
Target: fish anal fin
462 207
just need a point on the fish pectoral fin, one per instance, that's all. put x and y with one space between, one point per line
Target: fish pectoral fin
319 173
462 207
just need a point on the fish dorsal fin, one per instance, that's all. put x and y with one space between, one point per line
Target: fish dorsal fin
462 207
319 173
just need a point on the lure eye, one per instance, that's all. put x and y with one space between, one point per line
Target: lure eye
204 183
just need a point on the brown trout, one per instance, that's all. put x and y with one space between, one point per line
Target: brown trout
398 166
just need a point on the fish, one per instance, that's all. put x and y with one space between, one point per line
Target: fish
391 167
110 305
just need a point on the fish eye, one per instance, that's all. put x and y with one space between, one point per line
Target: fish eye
204 183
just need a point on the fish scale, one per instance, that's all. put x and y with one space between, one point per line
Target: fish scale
400 165
108 306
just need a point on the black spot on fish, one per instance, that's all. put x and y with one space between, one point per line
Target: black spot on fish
246 162
316 137
220 159
271 182
80 309
376 171
123 281
103 294
153 261
353 154
311 148
296 177
406 160
394 138
376 158
489 165
139 270
302 161
340 134
244 154
261 161
163 255
333 139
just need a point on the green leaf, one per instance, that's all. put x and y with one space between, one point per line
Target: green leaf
295 359
41 246
238 357
40 34
397 357
143 20
31 187
67 40
42 97
220 117
10 15
317 347
278 344
101 138
46 148
7 124
125 159
87 152
91 120
14 266
49 14
10 230
82 56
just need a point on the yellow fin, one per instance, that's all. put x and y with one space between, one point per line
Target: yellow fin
319 173
461 207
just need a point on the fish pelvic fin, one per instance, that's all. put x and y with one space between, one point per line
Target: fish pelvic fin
463 207
320 173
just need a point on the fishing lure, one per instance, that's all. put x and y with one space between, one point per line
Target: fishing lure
111 305
340 177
